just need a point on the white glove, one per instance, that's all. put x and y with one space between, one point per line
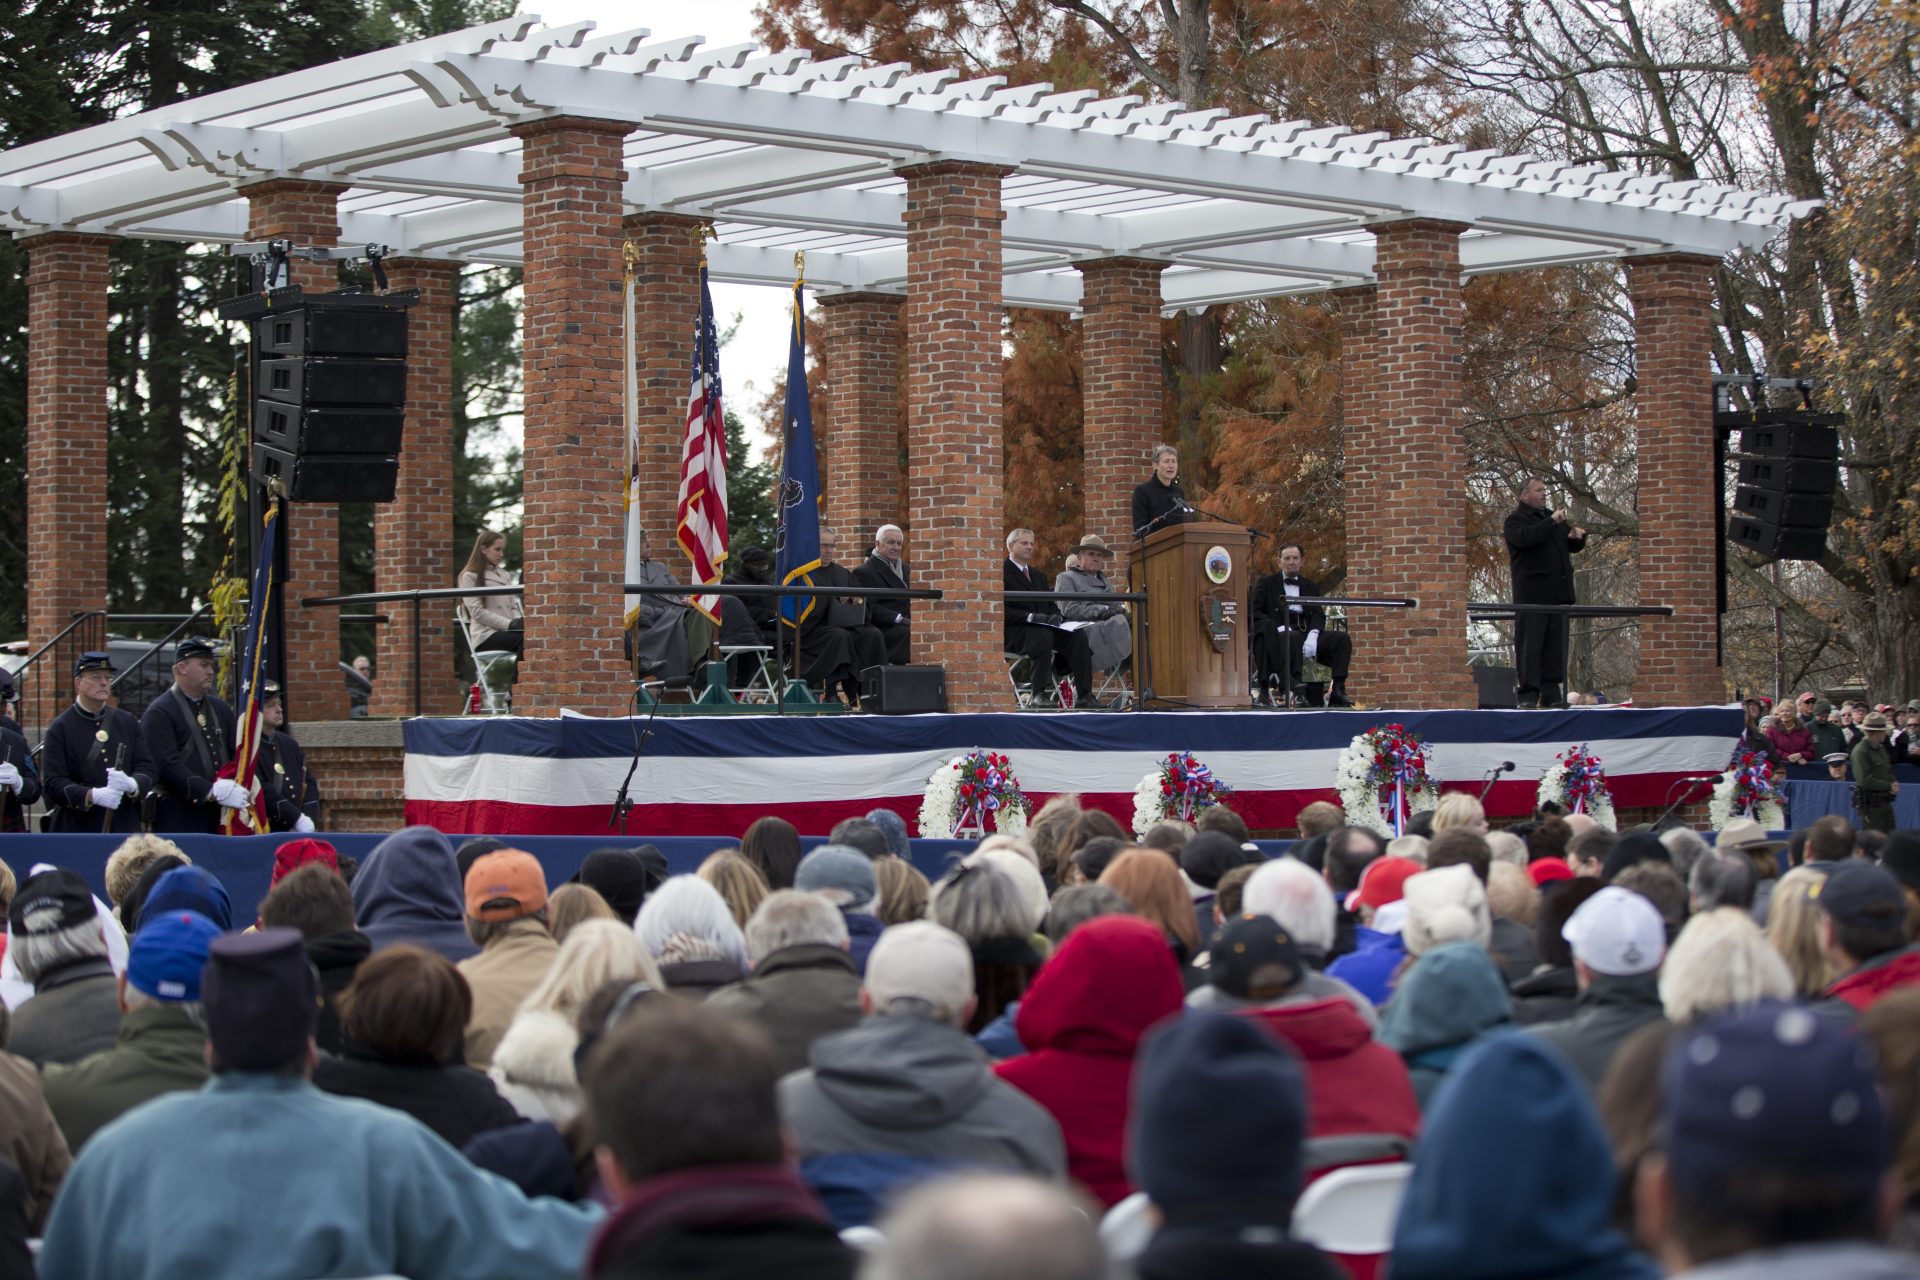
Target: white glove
122 782
303 824
105 797
1312 645
229 794
10 777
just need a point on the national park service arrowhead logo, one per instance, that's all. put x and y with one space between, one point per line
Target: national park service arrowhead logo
1219 612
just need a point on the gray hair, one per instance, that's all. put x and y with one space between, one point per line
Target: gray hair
790 918
481 932
135 998
1507 847
1297 898
1002 1225
1684 846
688 908
1161 450
979 900
37 954
1077 904
1014 533
1721 878
1721 961
883 529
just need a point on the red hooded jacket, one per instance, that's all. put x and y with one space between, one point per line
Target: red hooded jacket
1355 1084
1876 978
1082 1019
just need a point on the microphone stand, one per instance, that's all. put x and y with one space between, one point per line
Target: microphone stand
1493 776
623 801
1686 795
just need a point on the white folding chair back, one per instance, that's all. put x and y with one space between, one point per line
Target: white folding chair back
485 663
1352 1210
1127 1227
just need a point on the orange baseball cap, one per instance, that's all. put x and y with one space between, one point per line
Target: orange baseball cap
505 885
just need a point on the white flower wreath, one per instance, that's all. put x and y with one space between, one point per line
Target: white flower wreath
1361 798
1553 787
1720 808
941 809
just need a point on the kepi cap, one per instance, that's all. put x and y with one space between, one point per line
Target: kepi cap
193 647
261 999
92 660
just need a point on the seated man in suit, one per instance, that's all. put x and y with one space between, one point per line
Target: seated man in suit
1286 633
1033 630
845 614
884 568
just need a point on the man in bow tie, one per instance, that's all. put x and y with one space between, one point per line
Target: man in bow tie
1284 633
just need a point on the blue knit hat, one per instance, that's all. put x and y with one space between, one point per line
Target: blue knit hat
894 828
165 958
189 889
1219 1115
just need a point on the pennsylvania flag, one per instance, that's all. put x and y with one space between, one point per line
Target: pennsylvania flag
796 550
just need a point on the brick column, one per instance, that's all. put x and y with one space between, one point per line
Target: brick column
307 213
413 535
858 344
667 284
1673 363
1406 476
572 171
67 278
955 463
1123 396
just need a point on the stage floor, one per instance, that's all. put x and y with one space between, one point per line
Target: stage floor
709 777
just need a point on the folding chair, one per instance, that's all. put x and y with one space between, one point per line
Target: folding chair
1020 675
757 665
1351 1211
1127 1228
485 663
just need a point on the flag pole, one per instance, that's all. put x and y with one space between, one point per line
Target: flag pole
786 443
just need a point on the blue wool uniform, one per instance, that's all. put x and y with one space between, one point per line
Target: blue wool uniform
78 750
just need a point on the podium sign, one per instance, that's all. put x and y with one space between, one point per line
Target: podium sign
1197 578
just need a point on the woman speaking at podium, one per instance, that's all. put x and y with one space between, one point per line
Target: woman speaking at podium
1157 500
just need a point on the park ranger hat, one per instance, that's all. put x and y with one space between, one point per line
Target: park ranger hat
92 660
1091 542
1875 723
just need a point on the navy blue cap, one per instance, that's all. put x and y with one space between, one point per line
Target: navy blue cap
189 889
1199 1161
49 902
1776 1088
1861 893
193 647
92 660
165 958
261 998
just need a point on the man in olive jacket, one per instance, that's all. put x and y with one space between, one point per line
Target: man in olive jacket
162 1048
804 983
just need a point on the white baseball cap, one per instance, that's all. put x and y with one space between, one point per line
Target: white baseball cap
921 960
1617 932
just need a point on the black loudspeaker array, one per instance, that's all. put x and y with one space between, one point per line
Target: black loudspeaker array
1789 467
330 396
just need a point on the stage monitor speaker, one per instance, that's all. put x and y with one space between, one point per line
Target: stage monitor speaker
1790 475
903 690
295 429
328 477
1769 506
1776 542
1495 687
334 381
334 331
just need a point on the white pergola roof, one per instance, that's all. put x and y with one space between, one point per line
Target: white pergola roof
786 153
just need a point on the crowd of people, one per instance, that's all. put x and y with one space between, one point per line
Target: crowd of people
1593 1053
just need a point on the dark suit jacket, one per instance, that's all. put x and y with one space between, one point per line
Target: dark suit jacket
14 751
186 775
71 766
1269 605
875 572
1012 578
290 791
1541 556
1153 501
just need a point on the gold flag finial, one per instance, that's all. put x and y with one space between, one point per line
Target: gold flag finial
799 266
630 253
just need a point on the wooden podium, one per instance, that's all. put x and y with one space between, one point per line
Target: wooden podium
1196 578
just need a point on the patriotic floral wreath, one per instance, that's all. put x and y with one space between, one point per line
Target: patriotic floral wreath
1747 790
973 792
1178 789
1577 783
1382 779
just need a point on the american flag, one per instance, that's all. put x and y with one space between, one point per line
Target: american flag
702 516
253 674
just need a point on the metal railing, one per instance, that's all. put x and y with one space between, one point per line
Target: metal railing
44 679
